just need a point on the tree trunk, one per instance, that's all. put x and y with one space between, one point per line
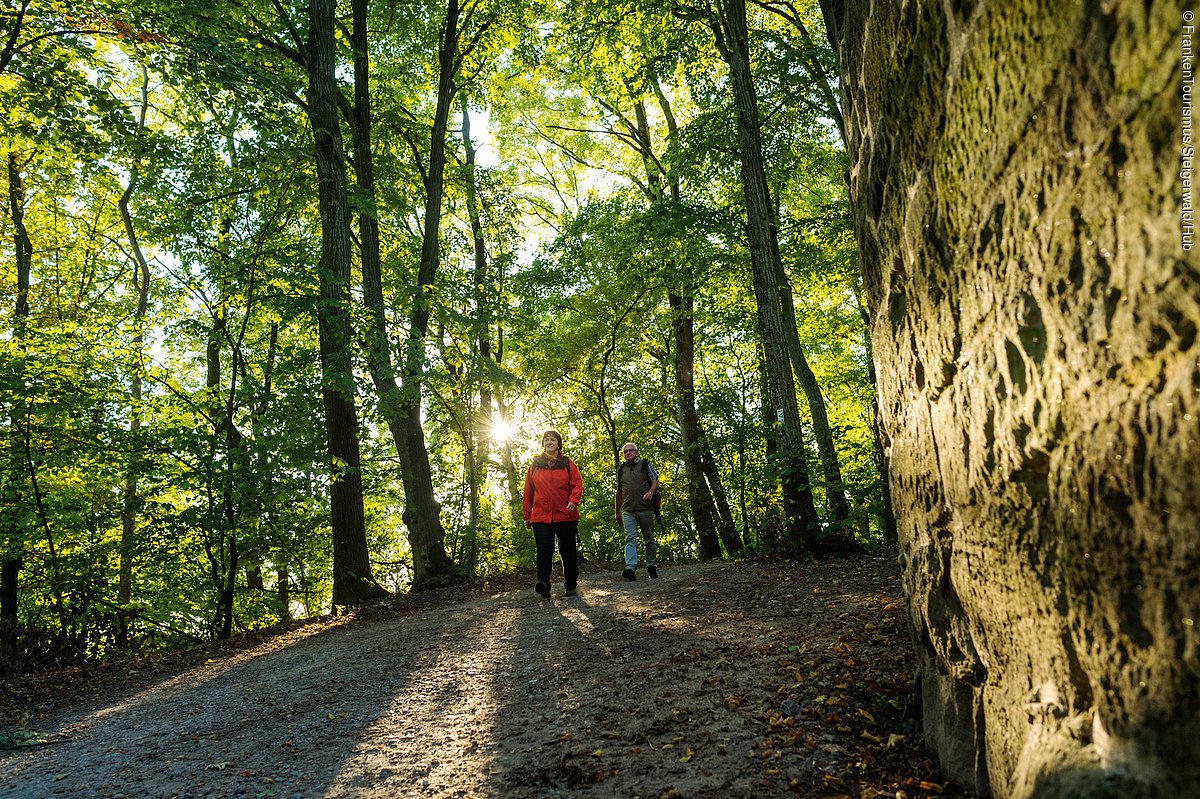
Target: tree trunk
230 555
803 525
483 340
352 580
401 403
400 407
223 558
53 567
704 511
268 506
1026 249
283 593
9 594
725 528
226 437
712 526
423 514
141 282
12 558
887 516
838 537
129 509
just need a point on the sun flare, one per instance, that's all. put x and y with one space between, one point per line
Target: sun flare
502 430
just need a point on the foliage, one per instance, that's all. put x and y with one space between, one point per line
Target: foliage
196 121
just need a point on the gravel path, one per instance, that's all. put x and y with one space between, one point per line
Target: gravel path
677 687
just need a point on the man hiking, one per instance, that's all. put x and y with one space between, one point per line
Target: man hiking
637 493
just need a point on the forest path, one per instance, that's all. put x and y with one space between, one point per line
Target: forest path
728 680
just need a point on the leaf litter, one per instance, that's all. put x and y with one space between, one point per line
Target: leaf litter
788 678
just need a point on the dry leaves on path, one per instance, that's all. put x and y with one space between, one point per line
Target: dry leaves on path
729 680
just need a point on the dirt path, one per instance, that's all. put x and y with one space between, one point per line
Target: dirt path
716 680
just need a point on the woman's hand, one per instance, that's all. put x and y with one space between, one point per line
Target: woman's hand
571 506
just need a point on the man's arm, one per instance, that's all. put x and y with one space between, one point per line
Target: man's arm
652 473
649 495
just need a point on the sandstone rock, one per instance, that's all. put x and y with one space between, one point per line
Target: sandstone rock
1015 174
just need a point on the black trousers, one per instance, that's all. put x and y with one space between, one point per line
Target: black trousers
567 534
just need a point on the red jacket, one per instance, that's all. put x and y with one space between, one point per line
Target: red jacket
548 490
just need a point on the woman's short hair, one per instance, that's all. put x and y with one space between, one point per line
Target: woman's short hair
557 435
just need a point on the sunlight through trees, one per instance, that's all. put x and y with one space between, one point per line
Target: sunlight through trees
292 289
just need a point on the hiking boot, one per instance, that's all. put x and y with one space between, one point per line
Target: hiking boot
543 588
629 573
652 571
570 592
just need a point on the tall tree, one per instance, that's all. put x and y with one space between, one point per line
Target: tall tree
352 580
13 559
835 493
732 37
713 527
11 555
400 401
141 284
482 338
422 514
705 487
819 67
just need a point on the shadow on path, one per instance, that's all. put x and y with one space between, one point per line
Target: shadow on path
676 687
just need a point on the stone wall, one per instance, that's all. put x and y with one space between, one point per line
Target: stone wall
1015 170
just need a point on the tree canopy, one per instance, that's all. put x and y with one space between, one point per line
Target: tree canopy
292 291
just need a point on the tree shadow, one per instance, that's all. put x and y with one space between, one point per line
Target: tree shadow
632 701
274 724
629 689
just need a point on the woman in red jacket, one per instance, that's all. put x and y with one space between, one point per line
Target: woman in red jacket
553 490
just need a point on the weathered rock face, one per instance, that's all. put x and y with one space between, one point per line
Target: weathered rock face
1015 168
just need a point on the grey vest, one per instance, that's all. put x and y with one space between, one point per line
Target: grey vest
634 485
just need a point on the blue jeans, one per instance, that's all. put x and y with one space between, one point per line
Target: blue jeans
633 519
567 534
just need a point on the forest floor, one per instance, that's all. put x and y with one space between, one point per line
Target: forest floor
716 680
